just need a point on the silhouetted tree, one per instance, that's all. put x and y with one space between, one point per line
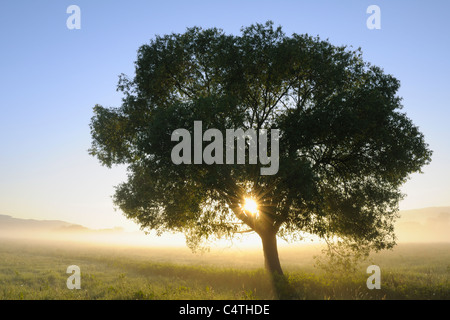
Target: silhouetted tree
345 146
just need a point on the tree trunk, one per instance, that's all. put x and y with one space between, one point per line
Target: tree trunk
281 286
271 260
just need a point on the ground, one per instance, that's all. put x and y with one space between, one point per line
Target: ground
37 270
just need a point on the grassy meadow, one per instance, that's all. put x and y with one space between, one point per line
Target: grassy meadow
37 270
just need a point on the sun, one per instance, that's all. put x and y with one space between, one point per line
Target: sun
251 206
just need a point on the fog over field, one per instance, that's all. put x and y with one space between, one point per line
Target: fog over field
428 225
116 264
424 226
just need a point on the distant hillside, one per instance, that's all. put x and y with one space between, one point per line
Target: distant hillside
16 227
420 225
424 225
9 224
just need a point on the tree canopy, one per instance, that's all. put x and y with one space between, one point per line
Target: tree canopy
345 146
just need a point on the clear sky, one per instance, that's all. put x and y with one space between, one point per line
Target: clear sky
53 76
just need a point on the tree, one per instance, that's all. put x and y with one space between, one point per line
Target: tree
345 146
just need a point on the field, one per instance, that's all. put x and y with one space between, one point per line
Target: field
37 270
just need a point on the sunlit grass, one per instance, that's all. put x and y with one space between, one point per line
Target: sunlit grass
38 272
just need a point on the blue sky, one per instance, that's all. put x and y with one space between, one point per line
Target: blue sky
53 76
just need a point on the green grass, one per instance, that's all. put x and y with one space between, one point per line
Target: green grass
38 271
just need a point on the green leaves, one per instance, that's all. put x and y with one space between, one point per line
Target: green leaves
111 136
